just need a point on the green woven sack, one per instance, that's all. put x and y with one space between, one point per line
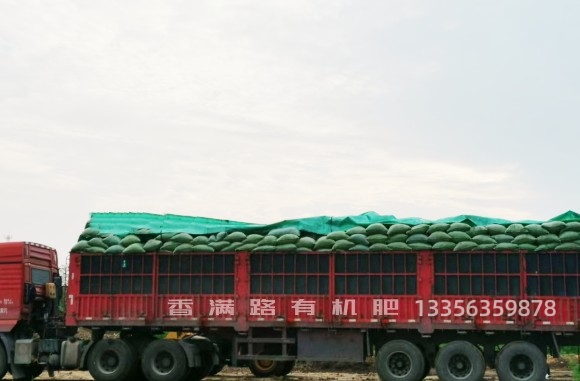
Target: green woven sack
420 246
465 246
536 230
494 229
164 237
568 246
89 233
397 238
95 250
134 248
359 248
548 238
235 237
279 232
459 227
306 242
439 227
254 238
265 248
115 249
247 247
444 245
203 248
478 230
439 236
286 247
184 248
417 238
324 243
485 246
573 226
379 247
287 238
129 240
547 246
483 239
269 240
337 235
169 246
359 239
356 230
527 247
515 229
152 245
232 247
506 246
524 238
377 238
200 240
182 238
111 240
418 229
220 236
398 229
554 226
97 242
459 236
503 238
342 244
569 236
376 229
398 246
218 246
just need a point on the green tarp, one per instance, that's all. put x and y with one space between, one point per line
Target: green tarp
126 223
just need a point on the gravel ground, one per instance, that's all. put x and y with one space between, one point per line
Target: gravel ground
328 372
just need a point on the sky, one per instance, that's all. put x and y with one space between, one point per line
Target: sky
263 111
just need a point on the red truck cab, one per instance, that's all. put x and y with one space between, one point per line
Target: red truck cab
28 274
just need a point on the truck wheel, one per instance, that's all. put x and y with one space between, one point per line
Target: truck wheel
521 361
164 360
36 370
264 368
400 360
426 370
216 369
112 360
460 360
3 361
285 368
199 373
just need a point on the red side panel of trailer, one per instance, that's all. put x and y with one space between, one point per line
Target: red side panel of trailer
416 290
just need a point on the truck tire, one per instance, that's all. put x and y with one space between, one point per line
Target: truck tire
164 360
264 368
400 360
3 361
112 360
460 360
521 361
285 368
199 373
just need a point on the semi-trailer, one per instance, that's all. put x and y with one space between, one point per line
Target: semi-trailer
457 295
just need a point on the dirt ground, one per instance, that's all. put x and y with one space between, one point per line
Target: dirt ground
560 371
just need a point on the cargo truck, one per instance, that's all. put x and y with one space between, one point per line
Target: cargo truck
458 311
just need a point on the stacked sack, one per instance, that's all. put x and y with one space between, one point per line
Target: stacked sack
457 236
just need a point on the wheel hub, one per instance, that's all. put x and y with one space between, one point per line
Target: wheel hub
399 364
459 366
522 367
